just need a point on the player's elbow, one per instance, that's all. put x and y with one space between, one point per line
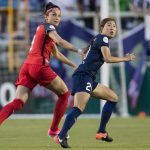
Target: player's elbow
107 60
60 42
55 53
58 55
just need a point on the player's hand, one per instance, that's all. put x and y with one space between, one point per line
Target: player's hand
74 66
81 53
130 57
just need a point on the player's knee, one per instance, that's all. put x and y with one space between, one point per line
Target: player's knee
65 96
80 106
115 97
18 104
63 91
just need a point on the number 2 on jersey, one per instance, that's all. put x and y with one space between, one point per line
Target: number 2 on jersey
89 87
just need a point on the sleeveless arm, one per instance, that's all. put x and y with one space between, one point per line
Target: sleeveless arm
57 54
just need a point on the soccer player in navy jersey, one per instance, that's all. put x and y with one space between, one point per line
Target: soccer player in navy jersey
84 84
36 70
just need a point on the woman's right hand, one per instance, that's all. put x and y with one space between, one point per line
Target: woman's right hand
130 57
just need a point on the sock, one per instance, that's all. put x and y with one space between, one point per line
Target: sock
10 108
71 118
106 114
59 110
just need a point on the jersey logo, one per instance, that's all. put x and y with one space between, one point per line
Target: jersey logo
105 39
52 27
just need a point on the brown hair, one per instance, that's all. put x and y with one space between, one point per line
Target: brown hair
49 6
104 21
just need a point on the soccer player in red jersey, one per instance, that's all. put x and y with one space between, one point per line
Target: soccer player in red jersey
36 70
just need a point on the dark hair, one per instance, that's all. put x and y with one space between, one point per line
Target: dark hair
49 6
104 21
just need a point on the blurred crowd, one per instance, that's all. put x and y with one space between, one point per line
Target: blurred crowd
70 7
67 5
140 6
91 5
78 7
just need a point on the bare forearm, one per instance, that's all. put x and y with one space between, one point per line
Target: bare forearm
65 60
108 58
61 42
68 46
116 59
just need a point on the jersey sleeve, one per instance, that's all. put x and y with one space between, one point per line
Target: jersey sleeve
48 28
102 41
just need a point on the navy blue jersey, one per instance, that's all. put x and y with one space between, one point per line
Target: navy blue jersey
94 58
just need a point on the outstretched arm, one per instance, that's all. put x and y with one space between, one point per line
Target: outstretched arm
56 53
63 43
108 58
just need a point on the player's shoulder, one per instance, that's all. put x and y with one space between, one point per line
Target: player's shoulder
45 27
49 27
40 27
102 37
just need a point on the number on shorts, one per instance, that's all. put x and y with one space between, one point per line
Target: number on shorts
88 87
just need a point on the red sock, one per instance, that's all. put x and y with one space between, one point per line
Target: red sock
11 107
59 110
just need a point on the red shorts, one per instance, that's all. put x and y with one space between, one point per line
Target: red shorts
31 74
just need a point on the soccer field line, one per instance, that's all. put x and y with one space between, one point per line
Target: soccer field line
49 116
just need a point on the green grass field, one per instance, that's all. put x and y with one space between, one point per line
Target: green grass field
31 134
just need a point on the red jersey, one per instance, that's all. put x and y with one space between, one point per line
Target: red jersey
41 46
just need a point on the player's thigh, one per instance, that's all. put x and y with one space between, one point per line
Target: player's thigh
81 99
58 86
82 83
103 92
22 93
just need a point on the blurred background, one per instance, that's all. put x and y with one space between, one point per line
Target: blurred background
80 22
